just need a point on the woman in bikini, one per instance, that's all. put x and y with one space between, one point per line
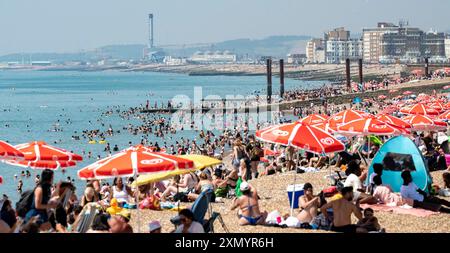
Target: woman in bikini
249 213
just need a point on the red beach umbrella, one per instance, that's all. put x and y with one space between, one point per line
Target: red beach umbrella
7 151
420 109
133 161
368 126
41 151
394 121
313 119
302 136
424 123
346 116
52 165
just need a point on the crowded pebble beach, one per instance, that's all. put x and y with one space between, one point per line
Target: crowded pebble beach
348 175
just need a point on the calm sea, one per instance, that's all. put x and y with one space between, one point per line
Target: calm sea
32 102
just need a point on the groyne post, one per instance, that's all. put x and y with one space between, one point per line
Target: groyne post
361 79
269 81
281 78
347 72
426 66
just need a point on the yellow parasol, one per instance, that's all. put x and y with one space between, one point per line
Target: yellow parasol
200 162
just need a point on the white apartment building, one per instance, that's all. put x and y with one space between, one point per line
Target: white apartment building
315 51
213 57
447 48
337 51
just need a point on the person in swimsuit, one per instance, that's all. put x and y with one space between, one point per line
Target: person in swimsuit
250 213
205 184
120 191
343 209
309 205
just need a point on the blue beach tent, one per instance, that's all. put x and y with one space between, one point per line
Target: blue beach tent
401 153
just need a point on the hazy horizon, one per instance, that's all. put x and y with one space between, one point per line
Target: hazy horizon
61 26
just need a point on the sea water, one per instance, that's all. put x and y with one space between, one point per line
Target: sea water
32 102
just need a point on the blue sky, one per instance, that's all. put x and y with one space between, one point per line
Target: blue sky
73 25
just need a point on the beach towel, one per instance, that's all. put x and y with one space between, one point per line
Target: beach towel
405 209
238 188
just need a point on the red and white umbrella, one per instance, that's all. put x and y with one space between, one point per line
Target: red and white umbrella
393 91
394 121
52 165
313 119
437 106
407 93
269 152
424 123
346 116
445 115
325 126
41 151
133 161
382 97
7 151
302 136
368 126
1 180
420 109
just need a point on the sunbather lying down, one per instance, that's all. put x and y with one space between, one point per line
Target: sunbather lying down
249 212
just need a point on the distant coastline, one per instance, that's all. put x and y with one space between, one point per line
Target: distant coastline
313 72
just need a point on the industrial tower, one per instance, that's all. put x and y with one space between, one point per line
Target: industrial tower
150 30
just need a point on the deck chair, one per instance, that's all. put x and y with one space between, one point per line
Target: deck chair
86 218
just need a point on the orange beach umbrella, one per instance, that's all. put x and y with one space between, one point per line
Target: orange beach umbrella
41 151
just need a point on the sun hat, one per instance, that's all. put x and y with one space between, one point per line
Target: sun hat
244 186
125 214
154 225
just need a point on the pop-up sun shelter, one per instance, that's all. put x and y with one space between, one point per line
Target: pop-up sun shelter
401 153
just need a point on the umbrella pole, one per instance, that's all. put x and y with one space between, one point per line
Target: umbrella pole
293 193
138 211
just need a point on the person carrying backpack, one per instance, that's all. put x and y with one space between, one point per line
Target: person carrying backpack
40 201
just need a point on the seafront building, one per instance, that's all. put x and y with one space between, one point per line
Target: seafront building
335 47
315 51
339 46
447 47
296 58
213 57
389 43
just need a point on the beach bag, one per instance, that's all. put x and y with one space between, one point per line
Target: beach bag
151 203
181 196
222 192
274 218
24 204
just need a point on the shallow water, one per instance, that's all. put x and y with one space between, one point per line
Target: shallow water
31 102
